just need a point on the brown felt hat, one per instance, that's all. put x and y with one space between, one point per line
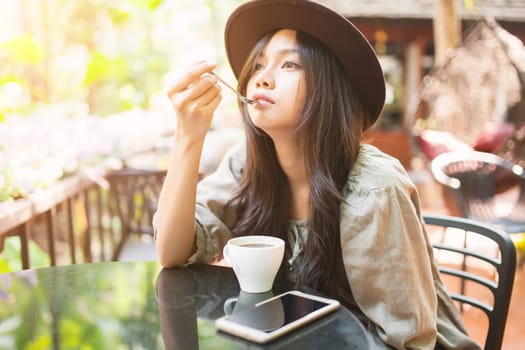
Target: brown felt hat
251 20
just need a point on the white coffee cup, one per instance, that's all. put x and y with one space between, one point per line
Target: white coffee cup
255 261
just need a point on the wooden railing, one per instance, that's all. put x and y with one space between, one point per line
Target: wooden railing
74 211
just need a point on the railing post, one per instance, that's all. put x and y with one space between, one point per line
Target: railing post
71 231
87 238
51 234
24 246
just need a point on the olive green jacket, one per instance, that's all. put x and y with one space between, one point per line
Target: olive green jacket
386 252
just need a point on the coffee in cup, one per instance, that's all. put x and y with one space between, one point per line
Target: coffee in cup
255 261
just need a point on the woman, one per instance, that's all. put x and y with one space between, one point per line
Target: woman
349 213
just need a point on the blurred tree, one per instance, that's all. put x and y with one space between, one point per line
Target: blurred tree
111 55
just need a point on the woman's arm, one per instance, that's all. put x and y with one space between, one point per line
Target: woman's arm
194 98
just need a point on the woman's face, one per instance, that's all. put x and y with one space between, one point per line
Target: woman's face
278 84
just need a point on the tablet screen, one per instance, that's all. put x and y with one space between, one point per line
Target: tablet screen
292 307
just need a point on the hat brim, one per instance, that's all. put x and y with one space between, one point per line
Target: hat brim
250 21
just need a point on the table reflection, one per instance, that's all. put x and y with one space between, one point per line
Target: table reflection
90 306
192 298
139 305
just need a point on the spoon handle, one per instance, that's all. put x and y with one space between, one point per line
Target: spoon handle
239 96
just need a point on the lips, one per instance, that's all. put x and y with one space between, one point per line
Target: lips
262 99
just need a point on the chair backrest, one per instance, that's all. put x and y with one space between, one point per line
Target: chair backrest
470 265
134 195
474 179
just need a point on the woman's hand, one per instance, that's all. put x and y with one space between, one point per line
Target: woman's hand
195 96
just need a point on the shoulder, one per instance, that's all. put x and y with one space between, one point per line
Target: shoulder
237 151
228 173
235 158
376 170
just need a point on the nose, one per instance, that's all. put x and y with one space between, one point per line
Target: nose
264 80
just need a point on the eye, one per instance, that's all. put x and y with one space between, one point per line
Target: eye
257 67
290 65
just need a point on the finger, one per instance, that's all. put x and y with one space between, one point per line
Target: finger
210 94
203 85
212 105
205 103
196 113
190 76
193 94
195 105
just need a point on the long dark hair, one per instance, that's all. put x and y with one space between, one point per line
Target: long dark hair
331 126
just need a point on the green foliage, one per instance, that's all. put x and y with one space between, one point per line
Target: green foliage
23 49
11 78
111 55
148 4
101 67
10 257
5 184
41 342
46 59
520 245
118 16
81 334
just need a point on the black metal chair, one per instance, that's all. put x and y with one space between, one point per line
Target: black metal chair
469 268
476 183
133 195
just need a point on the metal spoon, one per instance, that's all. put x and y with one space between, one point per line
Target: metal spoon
242 98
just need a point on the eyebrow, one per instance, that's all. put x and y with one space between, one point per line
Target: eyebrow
282 52
286 51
